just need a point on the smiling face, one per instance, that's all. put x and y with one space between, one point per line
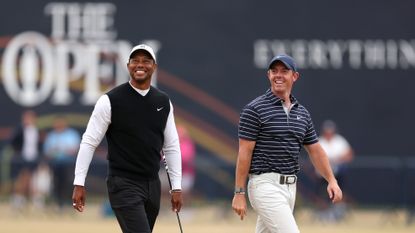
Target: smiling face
141 67
282 79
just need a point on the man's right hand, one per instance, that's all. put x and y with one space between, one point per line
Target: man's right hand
239 205
78 198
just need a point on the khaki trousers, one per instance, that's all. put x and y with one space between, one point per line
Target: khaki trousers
273 202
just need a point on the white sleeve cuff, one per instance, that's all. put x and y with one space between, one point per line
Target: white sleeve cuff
79 180
176 183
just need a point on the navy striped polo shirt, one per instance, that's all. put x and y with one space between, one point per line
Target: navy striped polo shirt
278 137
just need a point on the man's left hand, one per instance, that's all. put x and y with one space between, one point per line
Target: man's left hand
176 201
334 191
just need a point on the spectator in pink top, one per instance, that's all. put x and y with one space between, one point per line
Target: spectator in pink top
188 151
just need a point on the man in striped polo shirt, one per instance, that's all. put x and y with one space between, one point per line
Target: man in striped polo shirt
272 129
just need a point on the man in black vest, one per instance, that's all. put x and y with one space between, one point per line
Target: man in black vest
138 122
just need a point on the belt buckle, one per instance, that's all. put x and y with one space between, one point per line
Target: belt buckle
288 179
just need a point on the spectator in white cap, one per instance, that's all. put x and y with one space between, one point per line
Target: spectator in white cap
138 122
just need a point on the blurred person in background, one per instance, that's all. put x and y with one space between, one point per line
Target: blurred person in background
188 151
340 153
272 130
138 122
59 148
26 145
41 185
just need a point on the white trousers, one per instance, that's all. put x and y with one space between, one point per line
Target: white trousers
273 202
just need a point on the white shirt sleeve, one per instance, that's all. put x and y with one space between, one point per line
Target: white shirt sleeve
95 131
171 150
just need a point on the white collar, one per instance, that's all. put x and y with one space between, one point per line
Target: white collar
141 92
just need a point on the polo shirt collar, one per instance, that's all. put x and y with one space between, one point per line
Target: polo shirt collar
275 99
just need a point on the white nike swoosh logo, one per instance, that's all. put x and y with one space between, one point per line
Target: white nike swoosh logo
159 109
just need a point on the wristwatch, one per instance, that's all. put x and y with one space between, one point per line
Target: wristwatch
239 190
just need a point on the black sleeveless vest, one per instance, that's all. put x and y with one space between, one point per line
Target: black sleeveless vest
135 135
